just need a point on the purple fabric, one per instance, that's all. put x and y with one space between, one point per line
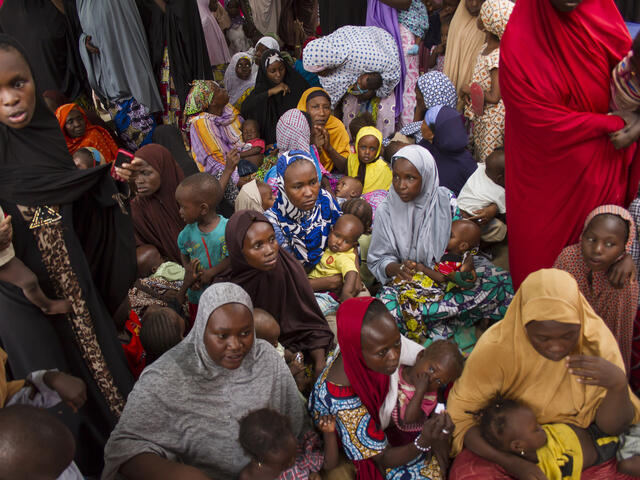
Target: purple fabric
386 17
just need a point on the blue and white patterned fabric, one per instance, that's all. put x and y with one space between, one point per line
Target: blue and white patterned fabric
415 18
351 51
305 232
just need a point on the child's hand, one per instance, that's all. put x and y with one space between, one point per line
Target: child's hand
630 133
485 215
327 423
592 370
422 383
206 277
72 390
622 272
6 233
191 274
232 159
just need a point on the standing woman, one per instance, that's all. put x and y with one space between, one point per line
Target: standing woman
71 229
213 36
561 163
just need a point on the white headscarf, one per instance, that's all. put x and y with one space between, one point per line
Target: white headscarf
234 85
269 42
418 230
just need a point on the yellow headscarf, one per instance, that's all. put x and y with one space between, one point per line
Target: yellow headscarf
378 175
337 132
505 362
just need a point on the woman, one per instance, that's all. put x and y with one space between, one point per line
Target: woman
154 210
360 387
71 231
278 89
464 42
213 36
526 356
412 230
239 79
262 45
277 283
562 163
79 132
303 213
448 146
114 50
330 134
202 386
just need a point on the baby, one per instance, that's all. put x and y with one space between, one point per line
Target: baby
482 199
254 146
560 450
13 271
266 436
348 187
84 159
340 257
162 329
625 92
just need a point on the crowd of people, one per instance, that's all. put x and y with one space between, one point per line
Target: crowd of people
319 239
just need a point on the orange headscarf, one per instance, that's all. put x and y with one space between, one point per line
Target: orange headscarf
94 136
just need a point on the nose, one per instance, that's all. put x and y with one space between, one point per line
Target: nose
233 343
598 248
307 192
8 98
394 356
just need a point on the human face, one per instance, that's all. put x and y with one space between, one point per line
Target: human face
276 72
407 181
75 124
381 344
243 69
83 160
565 5
525 430
17 90
473 6
257 55
301 184
553 340
260 247
368 147
148 180
343 236
229 335
220 98
266 196
250 131
426 131
319 108
276 462
190 211
348 187
440 372
603 242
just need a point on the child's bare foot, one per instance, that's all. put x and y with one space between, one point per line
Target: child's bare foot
56 307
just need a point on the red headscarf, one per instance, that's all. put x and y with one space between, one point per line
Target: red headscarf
371 387
555 73
94 136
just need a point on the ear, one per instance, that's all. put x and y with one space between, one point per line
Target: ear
516 446
204 208
354 195
464 246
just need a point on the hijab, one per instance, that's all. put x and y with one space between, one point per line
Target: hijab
338 135
215 40
305 232
418 230
267 110
293 132
156 218
284 292
249 198
504 361
495 15
269 42
94 136
206 400
235 86
376 175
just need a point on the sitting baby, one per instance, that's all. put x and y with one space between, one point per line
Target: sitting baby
347 188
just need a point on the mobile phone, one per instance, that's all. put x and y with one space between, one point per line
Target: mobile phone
123 157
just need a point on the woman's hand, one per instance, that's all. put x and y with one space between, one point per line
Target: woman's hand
282 88
597 371
91 48
72 390
6 233
402 271
622 272
232 159
128 171
333 283
436 428
630 133
320 139
524 470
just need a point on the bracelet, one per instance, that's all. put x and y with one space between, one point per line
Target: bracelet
417 445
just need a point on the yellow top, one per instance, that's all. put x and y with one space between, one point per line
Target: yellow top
377 175
335 263
561 458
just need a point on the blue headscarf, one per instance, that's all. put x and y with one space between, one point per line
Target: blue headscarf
305 232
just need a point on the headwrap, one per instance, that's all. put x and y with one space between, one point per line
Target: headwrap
269 42
273 58
293 131
199 97
375 175
306 232
495 15
249 198
236 87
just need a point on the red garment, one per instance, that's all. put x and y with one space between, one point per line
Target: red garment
133 350
555 73
371 387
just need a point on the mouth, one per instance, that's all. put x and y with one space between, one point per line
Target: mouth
309 204
334 248
18 117
235 359
270 262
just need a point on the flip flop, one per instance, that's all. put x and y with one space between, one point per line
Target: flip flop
477 99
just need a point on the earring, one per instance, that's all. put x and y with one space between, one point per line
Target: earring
522 453
260 463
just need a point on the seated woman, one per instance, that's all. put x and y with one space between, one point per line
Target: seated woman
276 283
278 89
552 353
203 386
79 132
330 135
360 388
239 79
410 235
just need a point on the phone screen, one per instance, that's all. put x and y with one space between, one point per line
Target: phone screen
123 157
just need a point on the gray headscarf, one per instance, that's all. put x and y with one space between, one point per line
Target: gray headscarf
418 230
186 408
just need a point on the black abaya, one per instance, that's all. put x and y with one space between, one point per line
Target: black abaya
338 13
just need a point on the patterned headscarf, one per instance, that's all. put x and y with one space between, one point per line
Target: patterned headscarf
495 15
306 232
236 87
618 211
200 96
293 131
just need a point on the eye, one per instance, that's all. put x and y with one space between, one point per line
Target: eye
19 84
246 333
257 245
222 336
382 353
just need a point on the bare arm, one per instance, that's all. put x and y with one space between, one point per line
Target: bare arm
431 273
493 96
324 284
350 286
414 413
149 465
251 152
338 160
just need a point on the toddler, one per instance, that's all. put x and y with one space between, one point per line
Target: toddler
266 436
366 164
482 198
35 444
254 146
348 187
203 238
340 257
85 159
625 92
255 195
364 211
238 41
162 329
13 271
560 450
437 52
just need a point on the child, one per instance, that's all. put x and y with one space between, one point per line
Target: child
482 198
254 146
366 164
266 436
437 52
608 234
348 187
84 159
488 115
35 444
255 195
339 256
13 271
364 211
238 41
203 237
362 120
625 92
560 450
162 329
